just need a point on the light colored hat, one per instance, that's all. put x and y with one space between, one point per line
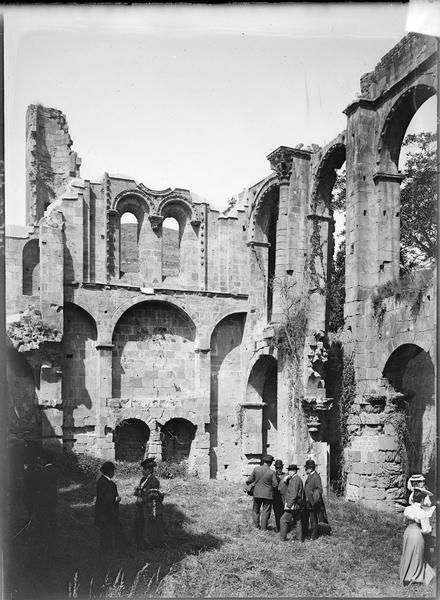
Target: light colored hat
415 480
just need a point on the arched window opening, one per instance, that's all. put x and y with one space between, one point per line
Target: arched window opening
418 191
177 436
170 248
336 277
31 268
266 232
260 429
131 437
329 225
410 371
129 240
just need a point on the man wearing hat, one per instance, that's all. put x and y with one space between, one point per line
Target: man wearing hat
266 483
143 492
313 497
278 505
107 510
292 490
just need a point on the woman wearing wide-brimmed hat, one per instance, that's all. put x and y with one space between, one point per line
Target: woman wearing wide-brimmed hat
413 566
149 512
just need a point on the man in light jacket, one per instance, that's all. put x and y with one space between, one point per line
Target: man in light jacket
265 483
292 491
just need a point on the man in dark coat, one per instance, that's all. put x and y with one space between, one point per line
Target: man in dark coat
292 490
107 511
265 484
278 504
313 498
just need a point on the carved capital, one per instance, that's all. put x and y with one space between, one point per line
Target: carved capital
313 408
156 221
281 161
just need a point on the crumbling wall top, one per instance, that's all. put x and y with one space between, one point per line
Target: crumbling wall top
406 56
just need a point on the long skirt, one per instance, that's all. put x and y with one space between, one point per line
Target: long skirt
413 568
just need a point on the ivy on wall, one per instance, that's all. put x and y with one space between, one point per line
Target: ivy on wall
30 332
410 289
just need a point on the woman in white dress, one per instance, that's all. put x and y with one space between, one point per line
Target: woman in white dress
413 567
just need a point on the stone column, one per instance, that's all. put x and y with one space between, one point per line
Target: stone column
251 434
113 248
281 161
388 200
155 445
104 439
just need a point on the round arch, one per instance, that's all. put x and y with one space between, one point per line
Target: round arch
124 307
132 200
177 207
84 312
130 438
396 123
224 315
325 176
264 205
177 436
262 389
410 371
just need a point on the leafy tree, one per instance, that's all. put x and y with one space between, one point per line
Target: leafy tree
336 291
418 201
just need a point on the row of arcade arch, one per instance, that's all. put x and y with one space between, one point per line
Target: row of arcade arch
131 438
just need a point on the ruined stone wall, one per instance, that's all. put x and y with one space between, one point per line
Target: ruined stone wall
50 161
159 335
377 121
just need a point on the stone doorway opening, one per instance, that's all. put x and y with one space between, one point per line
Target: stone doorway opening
131 438
410 371
177 436
260 427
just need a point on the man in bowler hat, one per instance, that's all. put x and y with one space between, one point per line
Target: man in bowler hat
278 504
266 483
313 497
107 511
292 490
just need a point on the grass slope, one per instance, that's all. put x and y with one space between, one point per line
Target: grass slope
211 550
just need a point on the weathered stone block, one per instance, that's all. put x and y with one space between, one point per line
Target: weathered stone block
387 442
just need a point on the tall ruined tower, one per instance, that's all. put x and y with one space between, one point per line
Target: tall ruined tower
49 160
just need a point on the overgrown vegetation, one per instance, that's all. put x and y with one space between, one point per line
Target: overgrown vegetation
336 284
345 401
29 331
409 288
289 337
85 467
418 201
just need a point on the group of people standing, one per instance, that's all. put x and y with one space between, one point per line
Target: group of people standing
296 505
148 521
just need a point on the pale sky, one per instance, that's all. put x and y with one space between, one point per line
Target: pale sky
190 96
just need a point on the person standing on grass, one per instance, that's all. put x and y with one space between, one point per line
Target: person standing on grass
413 566
314 501
292 490
266 483
149 511
278 504
107 511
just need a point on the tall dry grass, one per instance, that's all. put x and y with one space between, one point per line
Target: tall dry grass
212 550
